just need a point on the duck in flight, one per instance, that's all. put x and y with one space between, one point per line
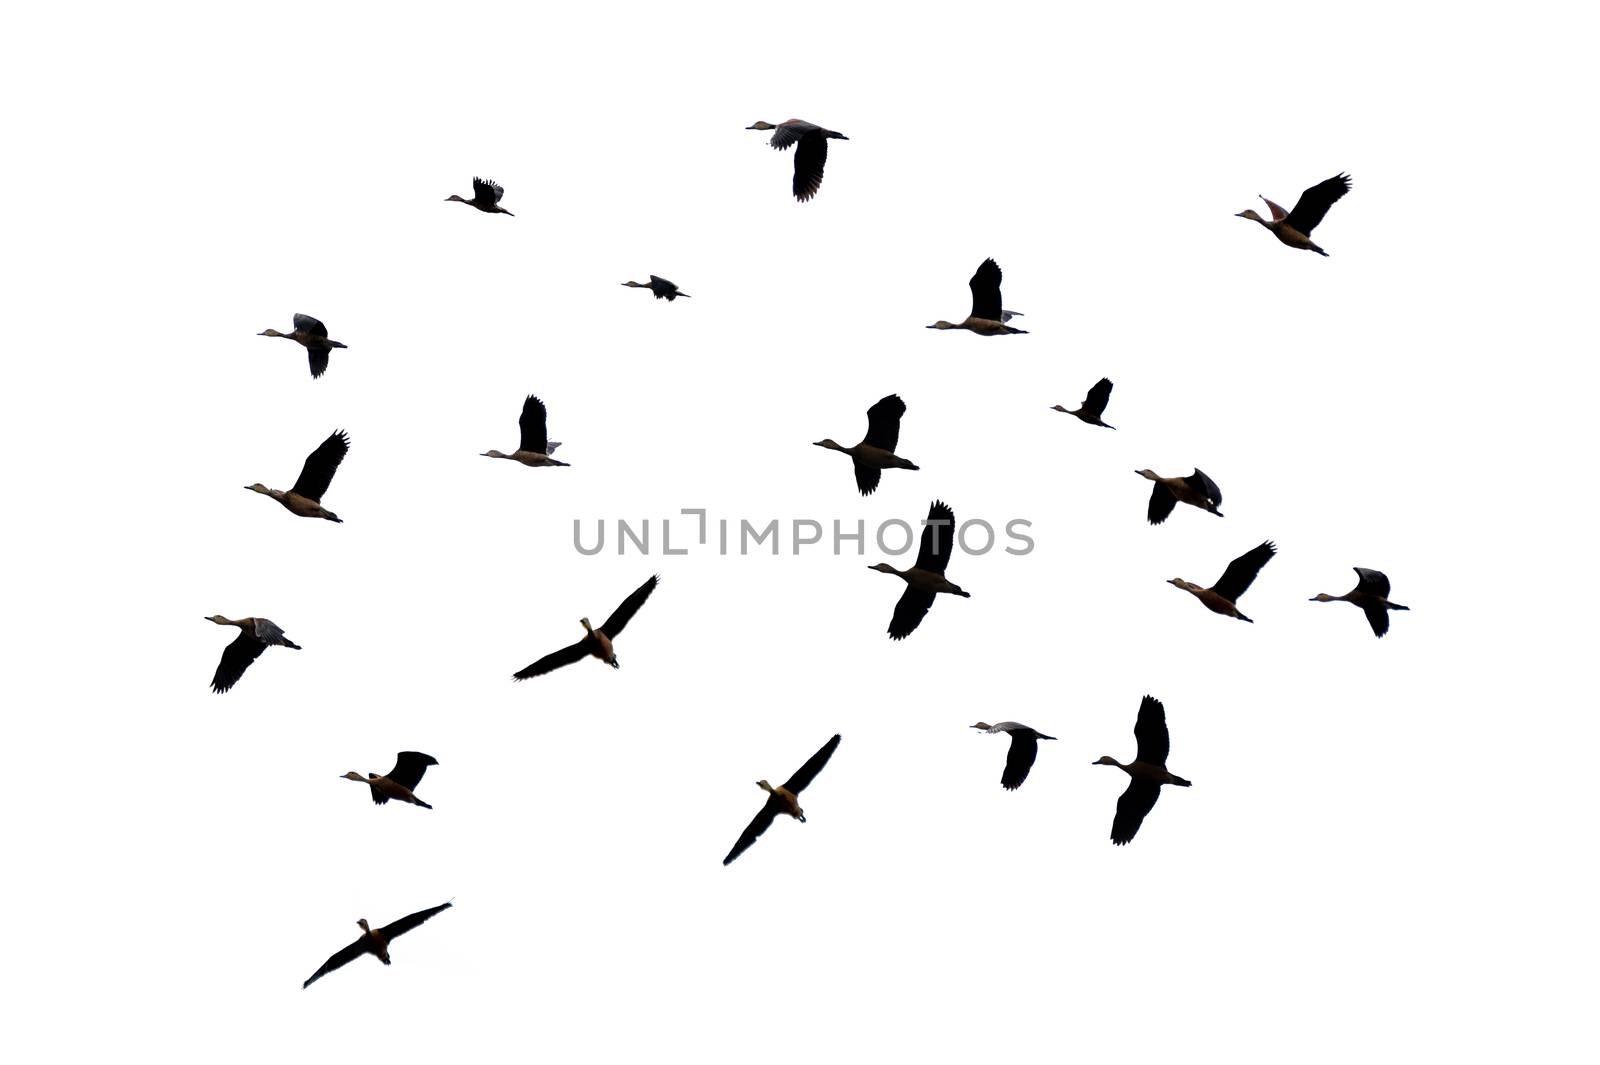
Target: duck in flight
255 636
1024 748
875 453
485 197
373 941
663 289
399 783
595 642
783 799
305 498
1294 227
1371 594
311 335
810 143
1148 771
1094 404
535 447
925 579
1197 490
1223 597
987 317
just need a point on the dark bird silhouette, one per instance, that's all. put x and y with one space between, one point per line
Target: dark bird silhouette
1197 490
987 317
535 447
1024 748
305 498
373 941
663 289
485 197
311 335
1148 771
255 636
875 453
783 799
1223 597
810 143
400 782
1294 227
1094 404
596 642
926 578
1371 594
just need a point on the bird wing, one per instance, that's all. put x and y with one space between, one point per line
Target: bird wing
1161 503
405 924
534 436
809 159
938 540
317 473
808 772
786 133
1138 800
1099 395
267 631
1019 759
1314 204
883 422
1278 213
304 323
1241 572
985 285
409 767
318 354
629 607
1371 581
338 961
1378 618
867 476
487 191
752 832
236 658
909 611
555 660
1150 730
1204 485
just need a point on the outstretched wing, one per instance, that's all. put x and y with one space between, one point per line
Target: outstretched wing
304 323
883 422
1241 572
409 767
534 436
1314 204
1094 404
867 476
1019 759
1150 730
1161 503
486 191
236 658
338 961
317 473
810 157
985 285
912 607
1204 485
405 924
629 607
752 831
1371 582
1378 618
318 355
1138 800
555 660
808 772
938 538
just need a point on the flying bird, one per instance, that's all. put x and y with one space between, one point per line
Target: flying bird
1094 404
987 317
663 289
399 783
1223 597
1148 771
1024 748
485 197
595 642
311 335
305 498
373 941
255 636
535 447
810 143
1197 490
875 453
1294 227
925 579
783 799
1371 594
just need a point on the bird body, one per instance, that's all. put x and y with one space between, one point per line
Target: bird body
311 335
783 799
1147 772
988 318
399 783
374 941
1294 227
255 636
596 643
535 446
1197 490
660 286
926 578
1222 597
485 197
1094 404
875 452
1024 748
305 498
810 143
1371 594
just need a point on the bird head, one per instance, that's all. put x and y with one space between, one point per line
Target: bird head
942 324
829 443
353 775
884 567
1250 214
1106 759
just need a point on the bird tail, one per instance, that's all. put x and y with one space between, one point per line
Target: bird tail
1180 782
419 802
291 644
1397 606
336 344
1318 250
1241 617
331 516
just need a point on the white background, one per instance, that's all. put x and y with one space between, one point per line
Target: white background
1387 844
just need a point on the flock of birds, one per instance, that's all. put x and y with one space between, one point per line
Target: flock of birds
924 581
